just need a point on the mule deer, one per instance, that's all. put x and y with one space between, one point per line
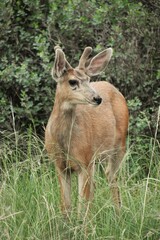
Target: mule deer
88 121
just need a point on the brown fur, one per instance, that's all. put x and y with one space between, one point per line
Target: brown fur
77 132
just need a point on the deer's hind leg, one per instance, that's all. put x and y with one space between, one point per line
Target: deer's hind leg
111 171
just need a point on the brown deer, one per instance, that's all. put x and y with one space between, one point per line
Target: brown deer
89 121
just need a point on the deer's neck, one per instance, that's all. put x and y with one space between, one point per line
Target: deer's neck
64 123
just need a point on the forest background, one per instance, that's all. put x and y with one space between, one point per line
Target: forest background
31 29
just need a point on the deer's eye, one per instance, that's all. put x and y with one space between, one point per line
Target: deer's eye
73 83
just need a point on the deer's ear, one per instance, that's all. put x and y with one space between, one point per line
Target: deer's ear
99 62
59 66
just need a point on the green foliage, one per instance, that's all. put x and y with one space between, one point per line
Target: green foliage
30 195
29 31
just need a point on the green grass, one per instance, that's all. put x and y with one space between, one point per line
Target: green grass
30 201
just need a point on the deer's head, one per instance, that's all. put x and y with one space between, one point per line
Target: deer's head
74 83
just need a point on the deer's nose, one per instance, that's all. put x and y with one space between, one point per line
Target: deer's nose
98 100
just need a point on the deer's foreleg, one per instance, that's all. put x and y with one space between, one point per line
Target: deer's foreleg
65 189
85 189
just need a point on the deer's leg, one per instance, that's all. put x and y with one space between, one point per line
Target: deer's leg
85 188
65 189
113 166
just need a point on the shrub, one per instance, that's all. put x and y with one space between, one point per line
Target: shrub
29 31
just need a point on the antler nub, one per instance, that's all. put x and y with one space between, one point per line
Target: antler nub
87 51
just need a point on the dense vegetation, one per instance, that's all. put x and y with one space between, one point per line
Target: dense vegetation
30 30
29 191
30 201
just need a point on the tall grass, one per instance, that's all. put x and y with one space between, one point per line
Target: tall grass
30 201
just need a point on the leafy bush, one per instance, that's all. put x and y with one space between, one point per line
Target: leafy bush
29 31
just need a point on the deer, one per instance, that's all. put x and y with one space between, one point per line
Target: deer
88 123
